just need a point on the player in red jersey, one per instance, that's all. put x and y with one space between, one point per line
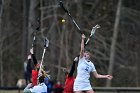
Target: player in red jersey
35 68
70 78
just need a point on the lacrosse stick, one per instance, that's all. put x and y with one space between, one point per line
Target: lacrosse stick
46 44
92 33
68 13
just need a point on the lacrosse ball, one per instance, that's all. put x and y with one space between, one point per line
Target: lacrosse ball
63 20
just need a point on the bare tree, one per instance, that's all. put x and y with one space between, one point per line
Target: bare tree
113 50
24 29
114 40
1 44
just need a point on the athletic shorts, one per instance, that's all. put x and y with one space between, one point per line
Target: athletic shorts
81 86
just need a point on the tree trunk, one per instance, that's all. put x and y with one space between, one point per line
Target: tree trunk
1 44
114 41
24 31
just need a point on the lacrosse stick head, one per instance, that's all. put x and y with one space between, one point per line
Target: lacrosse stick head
97 26
94 29
46 44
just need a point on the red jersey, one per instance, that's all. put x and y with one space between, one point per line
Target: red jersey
34 77
69 84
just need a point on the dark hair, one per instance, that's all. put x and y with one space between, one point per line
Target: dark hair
41 79
65 71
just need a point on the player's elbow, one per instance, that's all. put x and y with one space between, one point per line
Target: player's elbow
96 75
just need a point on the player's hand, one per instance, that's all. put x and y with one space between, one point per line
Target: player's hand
109 76
31 51
83 36
29 85
29 56
76 59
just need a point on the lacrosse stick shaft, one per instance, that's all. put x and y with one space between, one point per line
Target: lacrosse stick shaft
33 43
74 21
87 41
42 57
46 44
41 62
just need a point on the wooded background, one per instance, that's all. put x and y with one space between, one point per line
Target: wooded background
114 47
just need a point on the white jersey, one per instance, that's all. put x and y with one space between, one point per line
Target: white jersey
40 88
83 74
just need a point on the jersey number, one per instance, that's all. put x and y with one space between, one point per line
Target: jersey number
87 68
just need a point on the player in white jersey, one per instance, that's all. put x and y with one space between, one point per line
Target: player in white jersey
85 66
40 88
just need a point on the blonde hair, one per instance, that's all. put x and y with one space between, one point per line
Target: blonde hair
45 73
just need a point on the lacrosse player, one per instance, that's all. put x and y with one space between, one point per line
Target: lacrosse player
85 66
